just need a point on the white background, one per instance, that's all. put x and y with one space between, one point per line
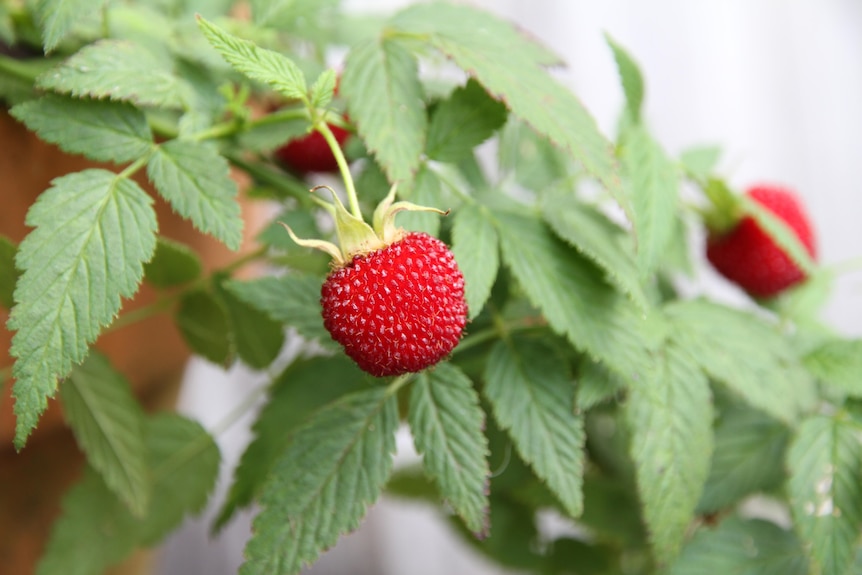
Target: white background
777 83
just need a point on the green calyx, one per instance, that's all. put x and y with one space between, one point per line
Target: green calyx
725 208
355 237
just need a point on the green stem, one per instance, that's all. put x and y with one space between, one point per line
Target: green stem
467 199
352 199
281 182
222 130
501 330
134 167
285 115
5 373
398 383
197 446
164 303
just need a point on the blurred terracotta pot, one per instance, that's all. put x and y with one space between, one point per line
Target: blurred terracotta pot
150 353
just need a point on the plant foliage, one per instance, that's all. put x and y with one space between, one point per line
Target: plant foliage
586 383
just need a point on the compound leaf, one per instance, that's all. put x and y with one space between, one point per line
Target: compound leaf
195 179
595 236
466 119
745 354
670 420
96 530
118 70
652 183
271 68
825 462
303 388
109 426
533 397
447 423
57 17
94 231
571 293
384 97
474 40
750 449
333 468
476 248
101 130
838 363
742 547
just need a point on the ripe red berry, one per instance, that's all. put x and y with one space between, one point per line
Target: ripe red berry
398 309
747 256
311 153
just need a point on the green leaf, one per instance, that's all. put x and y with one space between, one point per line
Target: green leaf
652 185
8 272
825 462
256 337
57 17
838 363
321 486
196 181
381 85
271 68
670 420
117 70
748 457
475 246
304 18
203 323
303 388
96 529
109 426
290 299
323 89
596 384
744 353
742 547
424 190
572 295
699 162
94 231
462 122
781 234
173 264
447 424
534 160
631 78
477 41
533 398
101 130
595 236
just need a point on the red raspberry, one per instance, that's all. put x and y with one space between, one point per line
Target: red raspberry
747 256
398 309
311 153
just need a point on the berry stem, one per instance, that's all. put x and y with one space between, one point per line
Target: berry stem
398 383
352 199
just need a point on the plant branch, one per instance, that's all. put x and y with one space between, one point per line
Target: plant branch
164 303
500 330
